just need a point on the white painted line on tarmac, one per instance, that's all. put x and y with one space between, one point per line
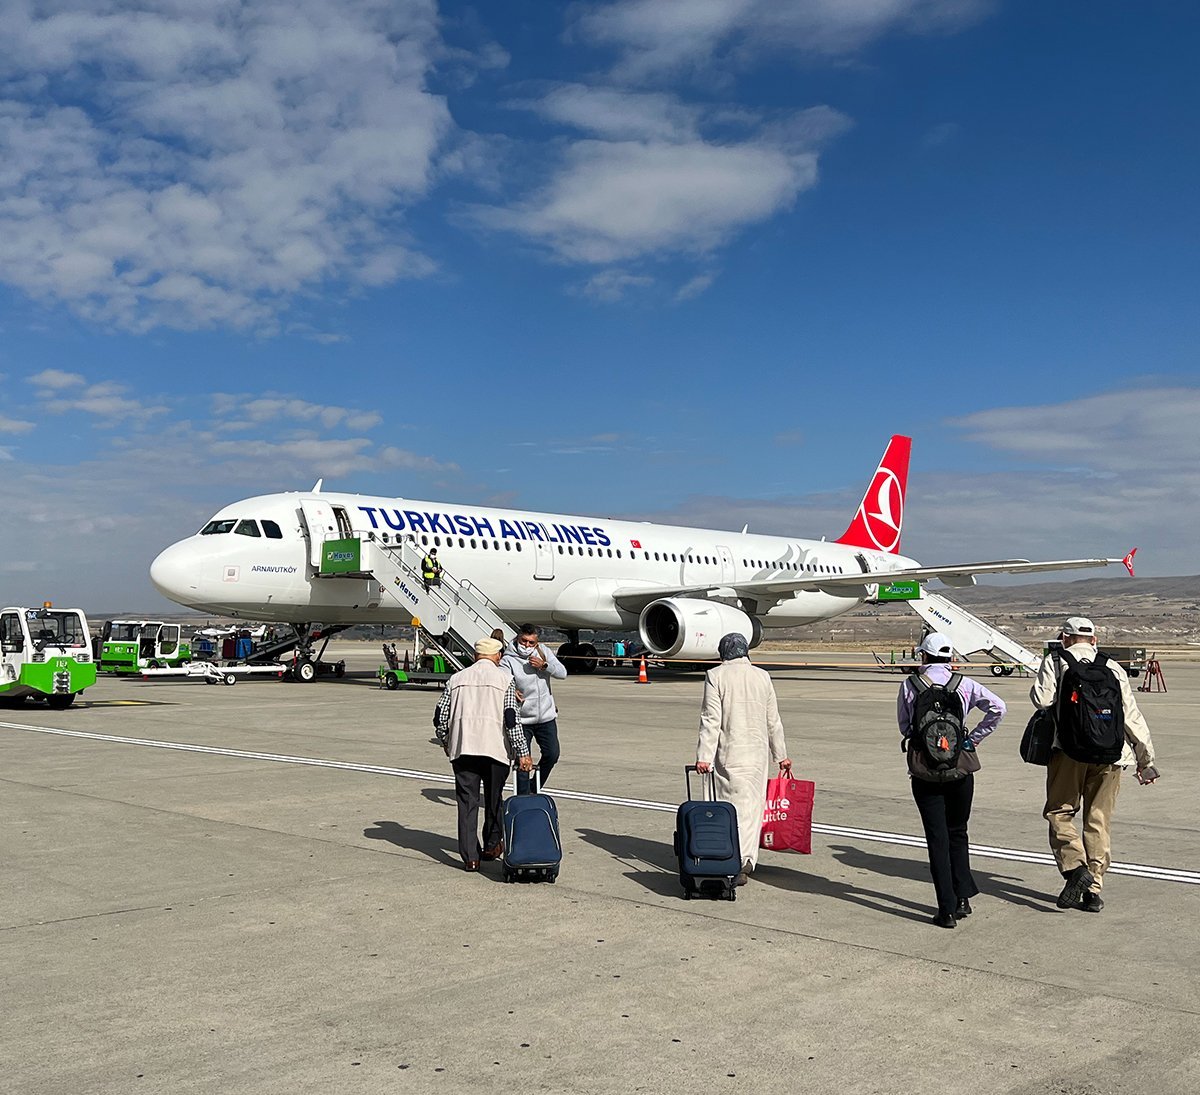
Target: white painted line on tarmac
985 851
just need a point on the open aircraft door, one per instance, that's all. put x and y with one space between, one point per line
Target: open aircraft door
320 524
544 562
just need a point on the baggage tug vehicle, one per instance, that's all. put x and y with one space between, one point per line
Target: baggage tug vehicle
46 654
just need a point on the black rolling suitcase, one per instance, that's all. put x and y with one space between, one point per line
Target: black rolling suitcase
532 845
706 842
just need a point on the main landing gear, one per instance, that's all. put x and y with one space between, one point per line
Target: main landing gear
306 667
576 656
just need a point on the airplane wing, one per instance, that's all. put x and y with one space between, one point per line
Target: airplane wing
635 598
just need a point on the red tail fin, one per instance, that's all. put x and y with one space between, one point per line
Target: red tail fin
880 514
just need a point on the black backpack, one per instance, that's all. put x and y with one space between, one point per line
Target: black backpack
938 735
1089 712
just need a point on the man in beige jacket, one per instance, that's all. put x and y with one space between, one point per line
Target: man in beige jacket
476 723
1070 782
740 735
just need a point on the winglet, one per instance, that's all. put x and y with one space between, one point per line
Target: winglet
317 486
1128 561
880 514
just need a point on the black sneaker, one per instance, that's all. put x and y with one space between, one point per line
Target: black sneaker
963 909
1079 881
1091 902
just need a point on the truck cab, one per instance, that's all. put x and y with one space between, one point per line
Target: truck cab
45 654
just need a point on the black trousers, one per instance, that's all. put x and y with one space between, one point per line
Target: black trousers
469 774
945 811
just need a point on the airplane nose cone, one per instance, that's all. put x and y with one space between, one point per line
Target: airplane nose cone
173 573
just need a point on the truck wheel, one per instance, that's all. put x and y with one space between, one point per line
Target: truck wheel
392 682
60 702
997 669
231 678
306 671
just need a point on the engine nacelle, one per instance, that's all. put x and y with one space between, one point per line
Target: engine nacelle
687 627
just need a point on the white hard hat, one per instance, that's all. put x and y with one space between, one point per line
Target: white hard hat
937 645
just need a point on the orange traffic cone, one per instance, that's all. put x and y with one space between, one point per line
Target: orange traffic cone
642 678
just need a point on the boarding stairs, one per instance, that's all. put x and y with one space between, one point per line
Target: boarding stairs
451 616
971 635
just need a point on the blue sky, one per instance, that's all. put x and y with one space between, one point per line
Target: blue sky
693 261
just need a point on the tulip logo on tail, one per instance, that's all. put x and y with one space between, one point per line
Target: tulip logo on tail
880 516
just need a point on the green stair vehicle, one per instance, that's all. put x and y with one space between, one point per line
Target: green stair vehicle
46 654
129 646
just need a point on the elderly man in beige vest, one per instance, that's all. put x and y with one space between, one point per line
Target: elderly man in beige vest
476 723
1071 782
740 734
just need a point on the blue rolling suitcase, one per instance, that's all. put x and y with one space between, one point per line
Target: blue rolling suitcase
532 846
706 842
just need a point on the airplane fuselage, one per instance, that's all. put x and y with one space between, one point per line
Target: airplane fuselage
257 559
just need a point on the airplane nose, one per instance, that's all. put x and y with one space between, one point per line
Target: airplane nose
173 573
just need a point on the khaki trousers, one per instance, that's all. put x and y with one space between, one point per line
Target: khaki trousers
1069 784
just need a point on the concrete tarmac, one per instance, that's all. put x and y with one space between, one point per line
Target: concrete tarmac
184 921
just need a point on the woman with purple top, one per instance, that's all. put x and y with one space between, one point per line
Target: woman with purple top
931 710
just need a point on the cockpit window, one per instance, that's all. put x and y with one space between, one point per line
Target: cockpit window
214 528
247 528
272 530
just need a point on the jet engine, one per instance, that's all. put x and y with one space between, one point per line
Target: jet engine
687 627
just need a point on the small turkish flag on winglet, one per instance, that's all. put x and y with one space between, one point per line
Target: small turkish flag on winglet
1128 561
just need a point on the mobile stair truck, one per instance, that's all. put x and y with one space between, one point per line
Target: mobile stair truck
46 654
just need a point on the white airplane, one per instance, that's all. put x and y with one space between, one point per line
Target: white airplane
683 588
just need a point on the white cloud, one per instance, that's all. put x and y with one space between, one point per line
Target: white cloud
658 38
612 285
258 409
108 401
1145 430
15 425
56 379
615 201
229 155
695 287
617 113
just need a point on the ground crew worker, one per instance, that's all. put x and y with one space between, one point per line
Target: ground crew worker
741 733
431 569
1071 781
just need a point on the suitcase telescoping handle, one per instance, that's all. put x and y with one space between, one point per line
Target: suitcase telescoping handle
537 780
708 781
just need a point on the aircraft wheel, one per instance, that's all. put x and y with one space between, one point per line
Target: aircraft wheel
588 659
60 702
306 671
230 678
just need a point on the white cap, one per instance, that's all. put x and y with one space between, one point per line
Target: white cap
937 645
1079 625
488 646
